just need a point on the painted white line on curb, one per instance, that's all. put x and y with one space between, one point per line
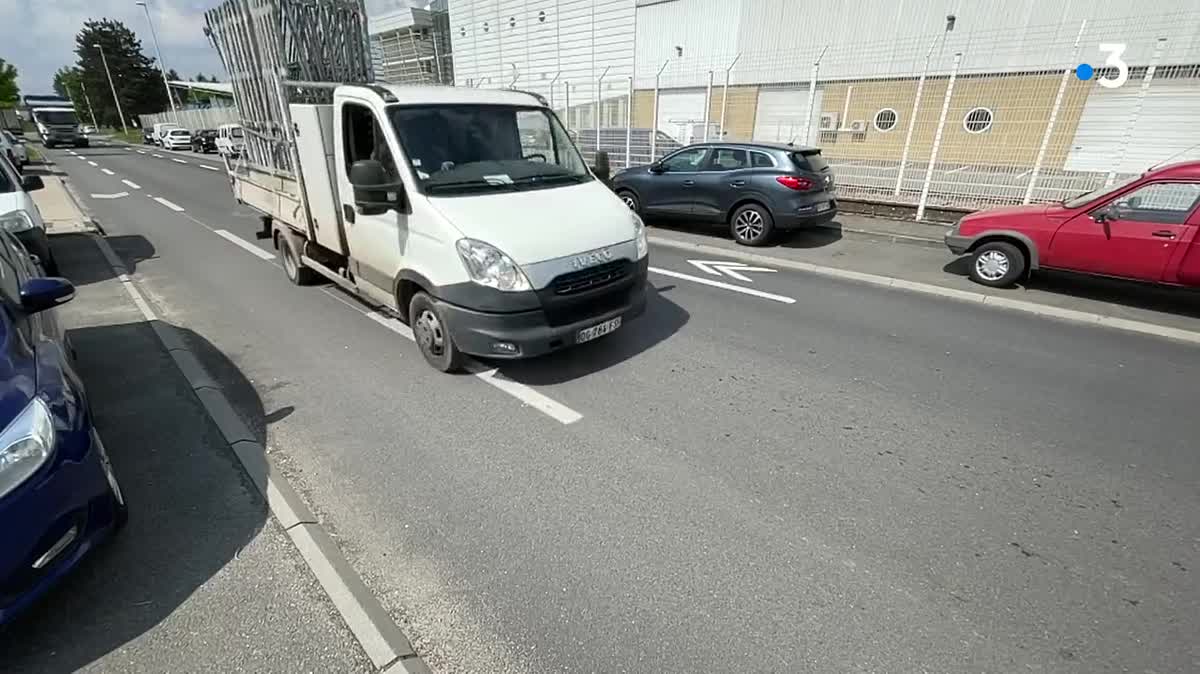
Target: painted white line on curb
92 163
157 155
131 184
379 637
1085 317
210 168
726 286
243 244
141 152
168 204
544 404
178 161
107 172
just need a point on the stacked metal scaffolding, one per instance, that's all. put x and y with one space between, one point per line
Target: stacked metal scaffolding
268 46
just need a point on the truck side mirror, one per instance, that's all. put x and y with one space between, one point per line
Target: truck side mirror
374 192
602 169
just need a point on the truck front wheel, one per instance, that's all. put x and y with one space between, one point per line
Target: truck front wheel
432 335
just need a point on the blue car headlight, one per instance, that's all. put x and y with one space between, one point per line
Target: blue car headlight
25 445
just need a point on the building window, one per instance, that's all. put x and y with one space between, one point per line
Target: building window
978 120
885 120
485 26
541 17
512 22
462 31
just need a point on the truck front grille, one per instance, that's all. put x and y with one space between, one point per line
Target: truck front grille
591 278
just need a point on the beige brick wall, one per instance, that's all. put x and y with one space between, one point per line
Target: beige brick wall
739 113
1020 106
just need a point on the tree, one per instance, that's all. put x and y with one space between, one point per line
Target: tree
10 94
137 81
66 82
199 78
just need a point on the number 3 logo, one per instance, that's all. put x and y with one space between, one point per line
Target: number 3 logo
1115 51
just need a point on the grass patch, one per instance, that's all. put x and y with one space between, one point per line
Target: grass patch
133 136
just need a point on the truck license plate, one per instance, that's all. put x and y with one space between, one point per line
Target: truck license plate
588 334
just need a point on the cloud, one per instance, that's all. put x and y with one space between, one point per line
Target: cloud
38 36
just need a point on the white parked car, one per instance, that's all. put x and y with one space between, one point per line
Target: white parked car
14 149
161 129
19 214
177 139
230 139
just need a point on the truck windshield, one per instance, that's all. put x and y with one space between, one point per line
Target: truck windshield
467 149
57 117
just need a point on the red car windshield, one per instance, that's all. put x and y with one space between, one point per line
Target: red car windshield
1088 197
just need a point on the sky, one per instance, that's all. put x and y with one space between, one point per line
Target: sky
38 36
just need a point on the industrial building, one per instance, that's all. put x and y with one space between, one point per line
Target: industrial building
865 80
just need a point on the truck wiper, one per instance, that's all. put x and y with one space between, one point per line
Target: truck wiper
548 178
433 187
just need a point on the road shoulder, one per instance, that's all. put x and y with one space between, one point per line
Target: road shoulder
1164 312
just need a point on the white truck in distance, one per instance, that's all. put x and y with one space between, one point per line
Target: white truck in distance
468 212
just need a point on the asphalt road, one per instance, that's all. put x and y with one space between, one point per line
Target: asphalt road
834 478
201 579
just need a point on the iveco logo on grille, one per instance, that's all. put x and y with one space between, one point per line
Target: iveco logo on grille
591 259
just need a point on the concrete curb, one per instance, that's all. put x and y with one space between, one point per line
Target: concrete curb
887 236
380 638
1085 317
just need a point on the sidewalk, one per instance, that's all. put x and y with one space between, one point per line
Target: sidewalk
56 204
202 578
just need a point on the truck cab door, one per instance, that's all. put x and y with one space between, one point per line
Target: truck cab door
1133 235
376 235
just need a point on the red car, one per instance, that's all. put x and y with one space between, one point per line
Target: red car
1146 228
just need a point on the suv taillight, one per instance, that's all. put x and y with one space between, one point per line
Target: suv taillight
794 183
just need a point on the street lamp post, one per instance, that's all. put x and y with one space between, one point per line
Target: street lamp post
116 99
162 66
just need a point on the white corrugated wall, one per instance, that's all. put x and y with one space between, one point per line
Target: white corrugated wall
534 41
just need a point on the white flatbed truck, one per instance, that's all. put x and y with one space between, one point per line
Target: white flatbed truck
467 212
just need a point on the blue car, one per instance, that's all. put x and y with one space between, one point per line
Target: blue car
58 496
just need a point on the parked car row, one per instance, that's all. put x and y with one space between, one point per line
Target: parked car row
12 147
226 139
59 497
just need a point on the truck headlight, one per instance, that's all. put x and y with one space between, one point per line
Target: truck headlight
17 221
487 266
639 236
25 445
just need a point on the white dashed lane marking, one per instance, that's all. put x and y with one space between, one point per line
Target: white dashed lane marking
92 163
210 168
175 207
107 172
178 161
243 244
132 184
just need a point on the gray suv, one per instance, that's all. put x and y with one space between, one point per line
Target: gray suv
757 188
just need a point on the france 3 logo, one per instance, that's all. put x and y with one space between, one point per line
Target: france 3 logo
1115 51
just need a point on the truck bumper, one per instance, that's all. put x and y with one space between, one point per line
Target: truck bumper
530 333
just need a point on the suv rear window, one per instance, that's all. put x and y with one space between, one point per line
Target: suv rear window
810 160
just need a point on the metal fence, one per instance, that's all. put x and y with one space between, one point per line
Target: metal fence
930 122
199 118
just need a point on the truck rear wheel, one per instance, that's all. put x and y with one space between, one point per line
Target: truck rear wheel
293 267
432 335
